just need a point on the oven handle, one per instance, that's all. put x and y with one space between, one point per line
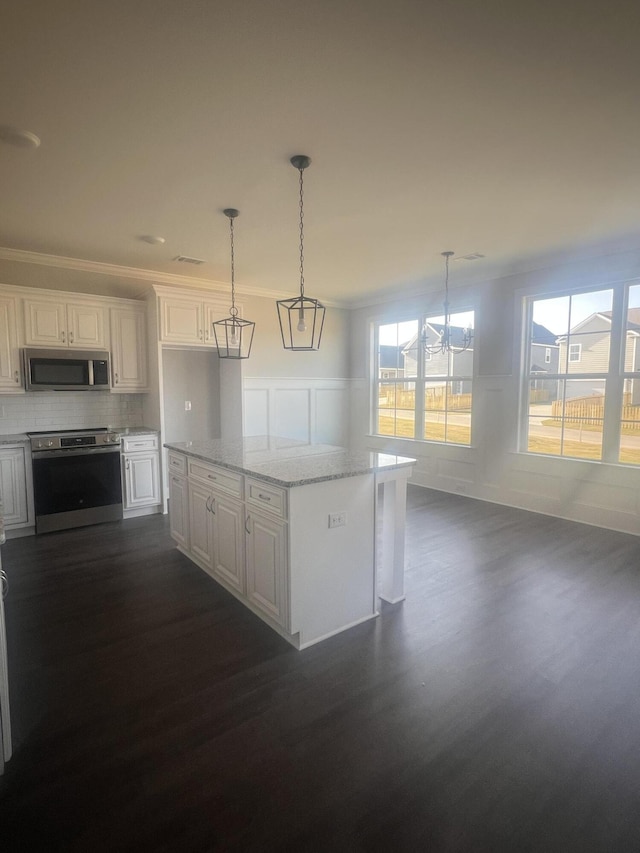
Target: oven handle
72 451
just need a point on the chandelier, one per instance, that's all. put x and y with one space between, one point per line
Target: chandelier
301 318
450 338
233 335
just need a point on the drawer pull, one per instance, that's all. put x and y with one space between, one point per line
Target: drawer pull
212 476
264 497
246 524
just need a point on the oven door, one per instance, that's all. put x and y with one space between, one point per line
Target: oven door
76 487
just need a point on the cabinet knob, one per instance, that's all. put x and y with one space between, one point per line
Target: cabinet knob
63 336
116 377
70 337
17 375
128 464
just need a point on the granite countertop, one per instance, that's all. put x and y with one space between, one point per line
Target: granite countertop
134 430
16 438
288 463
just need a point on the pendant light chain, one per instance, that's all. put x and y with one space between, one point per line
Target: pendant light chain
301 233
234 310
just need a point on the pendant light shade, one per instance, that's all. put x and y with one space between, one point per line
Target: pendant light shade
233 335
301 317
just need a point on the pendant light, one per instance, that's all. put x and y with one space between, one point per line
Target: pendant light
301 318
450 338
233 335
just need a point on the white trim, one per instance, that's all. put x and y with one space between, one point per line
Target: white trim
139 274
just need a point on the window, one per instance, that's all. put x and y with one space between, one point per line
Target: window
430 396
589 406
547 355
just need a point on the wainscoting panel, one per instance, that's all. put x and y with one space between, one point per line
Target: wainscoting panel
290 413
315 411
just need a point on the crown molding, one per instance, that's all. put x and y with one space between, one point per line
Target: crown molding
139 274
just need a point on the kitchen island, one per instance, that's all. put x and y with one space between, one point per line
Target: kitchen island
290 528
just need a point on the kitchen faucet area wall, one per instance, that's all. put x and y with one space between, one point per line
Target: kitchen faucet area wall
42 410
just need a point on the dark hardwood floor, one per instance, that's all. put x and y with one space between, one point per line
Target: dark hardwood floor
498 708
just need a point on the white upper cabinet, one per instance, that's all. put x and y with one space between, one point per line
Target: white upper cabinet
10 378
187 319
80 325
128 350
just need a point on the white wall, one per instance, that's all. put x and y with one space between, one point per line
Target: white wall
191 375
493 469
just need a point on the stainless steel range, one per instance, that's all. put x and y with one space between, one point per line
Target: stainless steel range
76 478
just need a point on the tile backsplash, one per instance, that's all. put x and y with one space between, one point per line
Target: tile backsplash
38 411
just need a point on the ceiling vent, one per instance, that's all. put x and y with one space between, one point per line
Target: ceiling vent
185 259
474 256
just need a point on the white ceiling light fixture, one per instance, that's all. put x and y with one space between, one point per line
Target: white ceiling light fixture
450 338
301 318
152 239
233 335
18 138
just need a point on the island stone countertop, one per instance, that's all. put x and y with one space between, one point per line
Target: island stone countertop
288 463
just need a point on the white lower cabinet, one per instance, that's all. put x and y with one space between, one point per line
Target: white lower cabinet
272 547
179 510
140 473
228 541
14 489
267 566
200 532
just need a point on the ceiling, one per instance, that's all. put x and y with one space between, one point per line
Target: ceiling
504 128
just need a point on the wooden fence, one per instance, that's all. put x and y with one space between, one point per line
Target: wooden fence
590 410
391 397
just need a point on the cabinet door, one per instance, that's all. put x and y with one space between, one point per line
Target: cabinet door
267 567
213 311
45 323
179 510
228 541
128 350
13 486
9 353
181 321
141 480
200 524
86 326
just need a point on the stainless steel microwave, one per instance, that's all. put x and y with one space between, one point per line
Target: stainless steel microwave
66 370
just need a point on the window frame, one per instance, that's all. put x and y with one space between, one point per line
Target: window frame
614 378
420 380
571 349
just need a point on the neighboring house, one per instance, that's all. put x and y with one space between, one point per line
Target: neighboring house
391 361
544 358
588 352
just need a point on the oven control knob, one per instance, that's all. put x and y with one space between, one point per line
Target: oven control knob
50 443
38 444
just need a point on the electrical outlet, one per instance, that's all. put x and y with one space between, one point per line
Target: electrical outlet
337 519
187 405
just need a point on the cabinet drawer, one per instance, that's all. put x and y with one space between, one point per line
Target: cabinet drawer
267 497
131 444
177 463
219 478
